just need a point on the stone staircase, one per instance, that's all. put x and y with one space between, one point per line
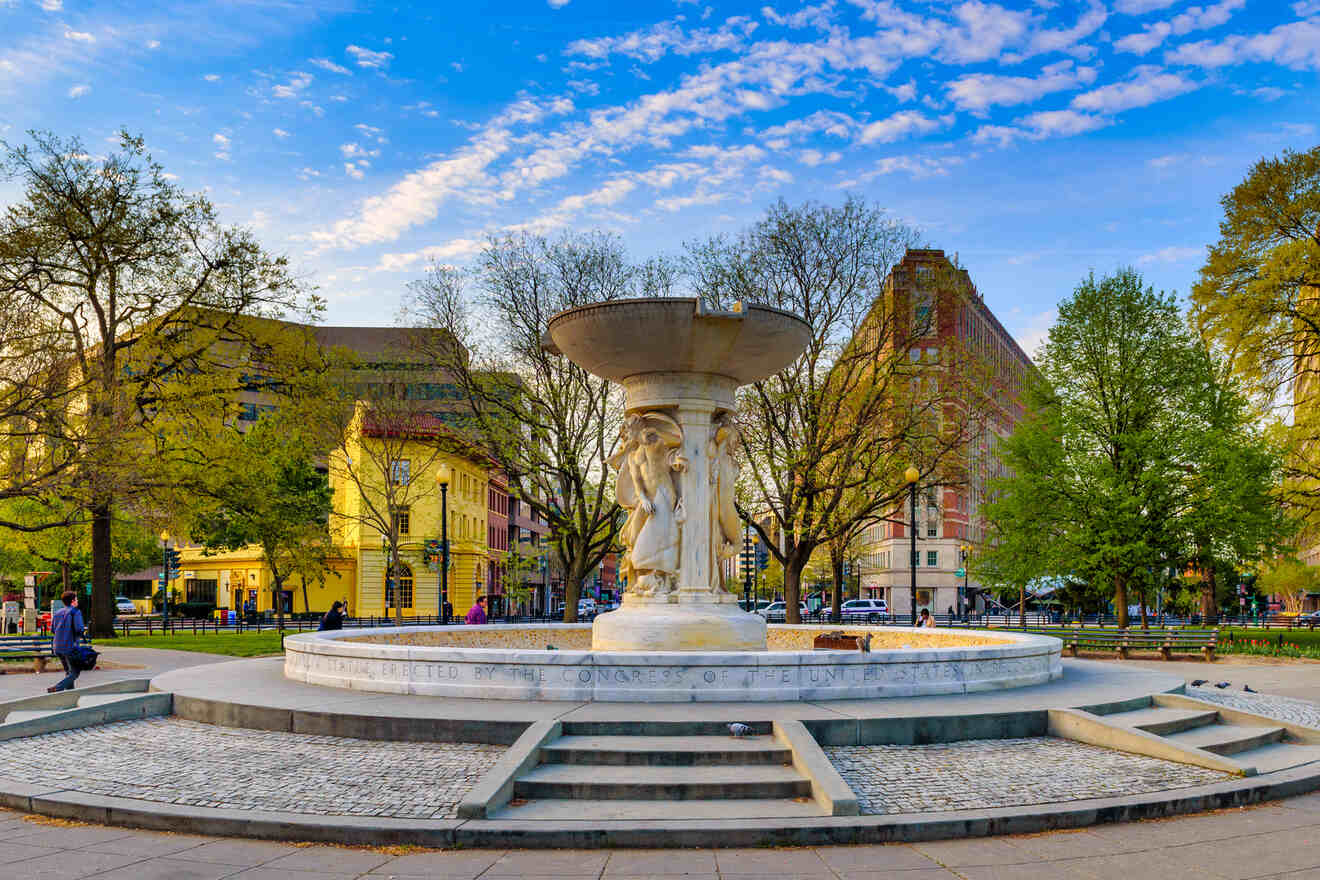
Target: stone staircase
102 704
611 770
1249 744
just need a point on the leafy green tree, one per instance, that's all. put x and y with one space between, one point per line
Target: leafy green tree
272 496
1258 298
143 302
1099 468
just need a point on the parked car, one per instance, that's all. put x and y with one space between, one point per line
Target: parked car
586 609
778 611
124 605
870 610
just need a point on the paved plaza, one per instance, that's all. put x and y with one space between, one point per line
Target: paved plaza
1275 841
993 773
169 760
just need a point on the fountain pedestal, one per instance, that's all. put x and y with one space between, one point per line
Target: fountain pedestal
680 366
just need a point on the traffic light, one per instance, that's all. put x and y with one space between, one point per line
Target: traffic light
431 552
170 570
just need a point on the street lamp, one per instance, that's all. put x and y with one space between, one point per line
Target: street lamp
912 475
749 563
443 481
962 596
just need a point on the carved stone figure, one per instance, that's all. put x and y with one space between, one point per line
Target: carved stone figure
648 488
725 526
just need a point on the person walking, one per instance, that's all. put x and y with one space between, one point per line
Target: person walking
926 619
477 613
333 619
66 628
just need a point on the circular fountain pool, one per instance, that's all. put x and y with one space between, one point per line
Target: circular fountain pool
502 662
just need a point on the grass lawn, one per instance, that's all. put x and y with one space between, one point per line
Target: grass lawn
247 644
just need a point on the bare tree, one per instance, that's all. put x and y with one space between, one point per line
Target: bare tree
550 425
828 438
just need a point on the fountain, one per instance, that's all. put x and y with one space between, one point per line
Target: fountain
679 635
676 463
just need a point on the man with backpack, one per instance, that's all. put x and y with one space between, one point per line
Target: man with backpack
66 628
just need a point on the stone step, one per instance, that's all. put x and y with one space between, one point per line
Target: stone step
86 700
1227 739
606 810
28 714
634 783
666 751
1161 721
660 728
1278 756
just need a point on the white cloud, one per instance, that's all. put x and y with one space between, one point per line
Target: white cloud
1195 18
904 93
1039 126
355 150
978 92
212 77
1141 7
220 141
678 203
902 124
297 82
1305 8
369 59
1147 85
557 4
1268 93
79 90
52 5
371 131
813 158
450 250
1171 255
153 44
78 36
1064 39
820 17
982 31
1032 333
913 166
651 44
279 133
1295 45
327 64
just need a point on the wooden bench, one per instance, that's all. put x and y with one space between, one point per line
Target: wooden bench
1166 642
23 647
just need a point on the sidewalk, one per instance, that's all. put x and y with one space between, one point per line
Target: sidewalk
133 663
1268 841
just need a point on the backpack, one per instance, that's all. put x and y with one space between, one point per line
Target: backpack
84 657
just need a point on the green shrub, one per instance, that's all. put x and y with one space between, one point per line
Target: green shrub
194 610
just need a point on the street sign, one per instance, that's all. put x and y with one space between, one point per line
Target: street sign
962 572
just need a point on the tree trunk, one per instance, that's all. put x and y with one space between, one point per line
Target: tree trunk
1120 600
836 594
391 575
307 607
573 578
102 623
279 598
793 587
1209 608
1022 606
66 576
1145 618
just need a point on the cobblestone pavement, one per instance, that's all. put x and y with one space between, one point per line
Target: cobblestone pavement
1300 712
983 773
1272 841
182 762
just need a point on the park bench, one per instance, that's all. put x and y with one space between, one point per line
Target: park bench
37 648
1166 642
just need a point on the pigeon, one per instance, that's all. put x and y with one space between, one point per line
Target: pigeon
739 730
1249 689
1198 682
1222 684
864 643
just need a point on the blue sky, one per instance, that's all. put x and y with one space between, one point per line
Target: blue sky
1037 140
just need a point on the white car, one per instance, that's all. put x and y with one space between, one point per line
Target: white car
778 611
124 605
586 608
869 610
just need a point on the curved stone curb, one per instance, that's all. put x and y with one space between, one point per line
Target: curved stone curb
905 828
342 659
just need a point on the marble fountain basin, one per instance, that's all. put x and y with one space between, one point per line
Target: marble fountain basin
500 662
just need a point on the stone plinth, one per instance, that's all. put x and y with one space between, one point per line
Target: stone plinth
346 659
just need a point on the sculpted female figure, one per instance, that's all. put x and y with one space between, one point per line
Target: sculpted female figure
648 489
726 528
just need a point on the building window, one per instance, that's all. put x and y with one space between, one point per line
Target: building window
402 520
932 558
400 471
932 526
200 591
401 583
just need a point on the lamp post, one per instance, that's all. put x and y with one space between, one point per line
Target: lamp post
443 481
962 596
912 475
749 565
